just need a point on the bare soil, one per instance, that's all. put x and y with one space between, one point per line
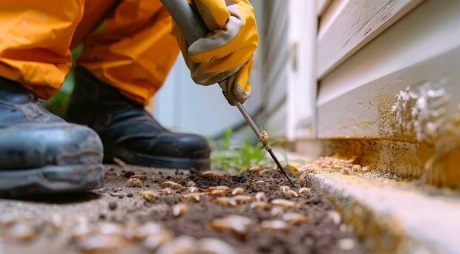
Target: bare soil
54 219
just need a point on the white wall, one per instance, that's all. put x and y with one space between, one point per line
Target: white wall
181 105
289 43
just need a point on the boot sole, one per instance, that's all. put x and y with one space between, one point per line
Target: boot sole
51 179
161 161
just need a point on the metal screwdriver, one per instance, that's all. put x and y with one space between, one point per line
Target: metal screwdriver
194 28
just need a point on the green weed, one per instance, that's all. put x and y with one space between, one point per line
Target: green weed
235 160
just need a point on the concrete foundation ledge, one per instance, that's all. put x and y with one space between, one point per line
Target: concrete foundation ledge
393 216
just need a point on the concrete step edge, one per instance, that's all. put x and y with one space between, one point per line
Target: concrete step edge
390 216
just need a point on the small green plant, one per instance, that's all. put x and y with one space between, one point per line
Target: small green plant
234 160
251 154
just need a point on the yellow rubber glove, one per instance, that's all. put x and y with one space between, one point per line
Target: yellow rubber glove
226 50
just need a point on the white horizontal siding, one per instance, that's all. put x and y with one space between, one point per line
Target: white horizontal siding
355 98
348 25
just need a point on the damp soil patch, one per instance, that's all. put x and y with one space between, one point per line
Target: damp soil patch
122 205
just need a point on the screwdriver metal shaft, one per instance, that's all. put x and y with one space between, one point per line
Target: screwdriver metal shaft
267 146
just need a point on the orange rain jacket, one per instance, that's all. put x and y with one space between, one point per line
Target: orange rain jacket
134 51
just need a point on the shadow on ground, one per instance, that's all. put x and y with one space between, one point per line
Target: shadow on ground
58 199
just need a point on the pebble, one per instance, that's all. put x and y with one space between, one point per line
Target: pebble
103 215
117 194
113 205
130 195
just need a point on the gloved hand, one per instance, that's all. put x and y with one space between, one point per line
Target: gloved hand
228 49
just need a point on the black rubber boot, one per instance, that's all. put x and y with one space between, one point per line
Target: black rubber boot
41 153
130 133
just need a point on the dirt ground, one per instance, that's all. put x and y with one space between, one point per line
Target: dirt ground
124 219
